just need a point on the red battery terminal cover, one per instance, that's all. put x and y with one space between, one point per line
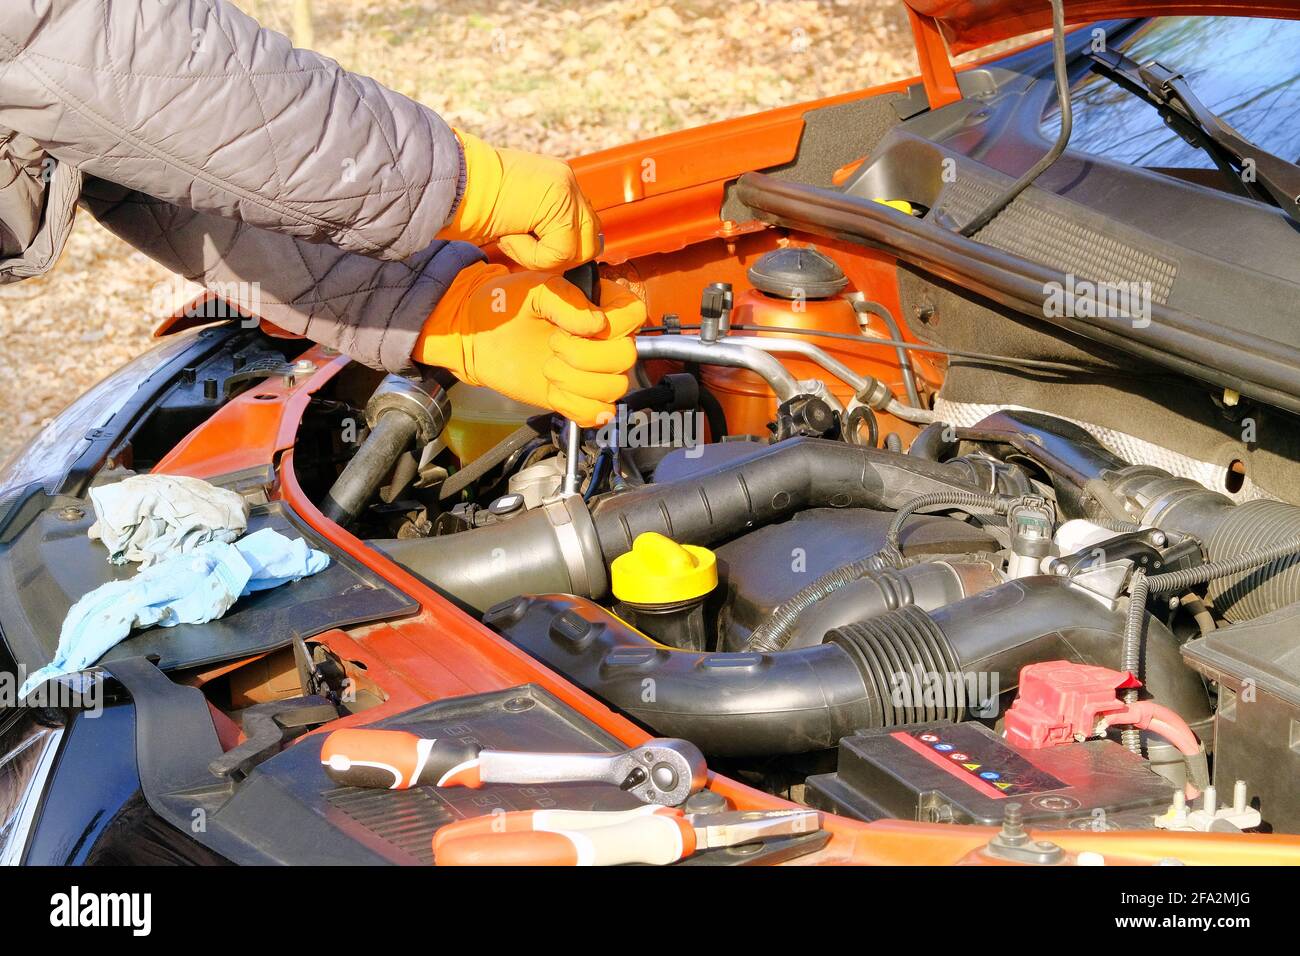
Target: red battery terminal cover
1060 702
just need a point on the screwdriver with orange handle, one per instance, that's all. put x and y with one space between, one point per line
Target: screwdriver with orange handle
649 835
661 771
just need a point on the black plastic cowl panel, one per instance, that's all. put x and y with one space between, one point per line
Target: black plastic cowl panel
51 564
287 811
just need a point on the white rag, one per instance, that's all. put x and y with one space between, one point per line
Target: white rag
148 517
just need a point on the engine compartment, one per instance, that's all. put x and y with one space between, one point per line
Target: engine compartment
779 551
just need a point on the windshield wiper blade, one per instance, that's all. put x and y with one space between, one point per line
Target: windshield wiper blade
1269 177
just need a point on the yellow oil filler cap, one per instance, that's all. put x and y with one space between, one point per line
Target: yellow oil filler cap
902 205
658 570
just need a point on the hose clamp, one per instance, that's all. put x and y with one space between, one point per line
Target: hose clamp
575 535
428 409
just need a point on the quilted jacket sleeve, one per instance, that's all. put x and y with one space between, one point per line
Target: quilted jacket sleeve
367 308
190 102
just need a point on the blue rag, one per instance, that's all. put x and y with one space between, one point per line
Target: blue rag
191 588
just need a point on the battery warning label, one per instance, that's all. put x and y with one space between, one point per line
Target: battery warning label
989 766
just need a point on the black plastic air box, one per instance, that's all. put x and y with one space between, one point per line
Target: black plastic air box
1256 666
965 773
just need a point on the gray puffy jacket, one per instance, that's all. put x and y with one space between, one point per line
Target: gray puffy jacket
230 157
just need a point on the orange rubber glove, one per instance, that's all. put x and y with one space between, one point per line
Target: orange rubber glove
529 205
536 338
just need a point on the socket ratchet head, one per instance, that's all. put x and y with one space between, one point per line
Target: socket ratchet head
664 771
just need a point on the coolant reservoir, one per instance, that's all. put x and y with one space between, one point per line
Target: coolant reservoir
795 287
480 418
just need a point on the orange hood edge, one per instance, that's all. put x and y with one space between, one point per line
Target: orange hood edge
967 25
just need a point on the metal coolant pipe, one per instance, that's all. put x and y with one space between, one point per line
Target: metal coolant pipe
684 348
755 353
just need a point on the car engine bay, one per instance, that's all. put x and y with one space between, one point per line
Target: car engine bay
779 551
950 514
877 528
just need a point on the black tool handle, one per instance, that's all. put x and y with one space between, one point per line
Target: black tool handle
587 278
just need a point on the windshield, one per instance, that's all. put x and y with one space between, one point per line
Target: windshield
1247 71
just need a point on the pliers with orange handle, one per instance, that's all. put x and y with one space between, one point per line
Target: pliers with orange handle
653 835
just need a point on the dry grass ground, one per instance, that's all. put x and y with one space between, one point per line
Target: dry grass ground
559 77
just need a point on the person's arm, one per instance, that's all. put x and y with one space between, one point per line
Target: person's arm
371 310
529 335
227 155
191 102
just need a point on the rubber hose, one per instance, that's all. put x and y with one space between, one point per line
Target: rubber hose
769 485
356 485
1200 613
1100 492
904 666
1131 661
567 549
714 414
932 444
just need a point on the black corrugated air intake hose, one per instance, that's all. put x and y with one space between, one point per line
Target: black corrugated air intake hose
775 632
904 666
566 547
1252 549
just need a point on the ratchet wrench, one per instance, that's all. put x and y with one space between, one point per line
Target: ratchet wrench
662 771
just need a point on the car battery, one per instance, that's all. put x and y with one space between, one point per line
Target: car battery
965 773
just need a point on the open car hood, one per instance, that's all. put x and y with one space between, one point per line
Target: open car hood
971 24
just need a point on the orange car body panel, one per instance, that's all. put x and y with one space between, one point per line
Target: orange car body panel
932 57
663 237
971 24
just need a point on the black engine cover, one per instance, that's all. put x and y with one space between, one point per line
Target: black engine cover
760 570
